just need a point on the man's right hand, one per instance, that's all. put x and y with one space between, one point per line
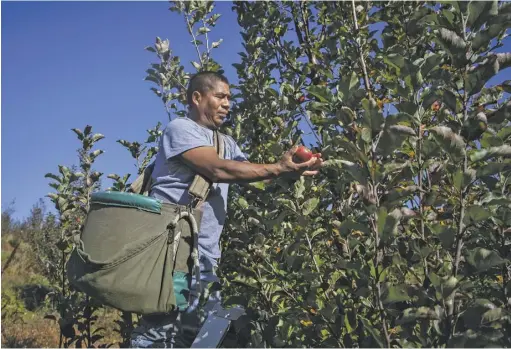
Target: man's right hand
307 168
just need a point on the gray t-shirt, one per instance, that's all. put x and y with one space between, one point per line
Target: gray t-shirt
172 178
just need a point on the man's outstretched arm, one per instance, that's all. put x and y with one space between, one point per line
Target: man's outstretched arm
205 160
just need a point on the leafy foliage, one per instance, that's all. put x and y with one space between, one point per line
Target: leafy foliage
403 240
409 219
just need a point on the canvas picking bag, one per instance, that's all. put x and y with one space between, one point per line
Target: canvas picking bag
136 253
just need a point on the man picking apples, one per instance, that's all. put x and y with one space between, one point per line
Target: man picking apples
186 148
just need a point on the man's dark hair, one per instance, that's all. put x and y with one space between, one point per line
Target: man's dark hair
203 82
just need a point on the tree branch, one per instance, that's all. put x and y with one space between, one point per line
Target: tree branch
190 29
359 49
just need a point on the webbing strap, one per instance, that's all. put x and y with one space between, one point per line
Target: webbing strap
201 185
142 184
195 248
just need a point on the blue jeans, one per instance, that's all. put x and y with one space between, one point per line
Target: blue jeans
179 328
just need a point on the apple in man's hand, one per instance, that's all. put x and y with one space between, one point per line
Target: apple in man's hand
303 154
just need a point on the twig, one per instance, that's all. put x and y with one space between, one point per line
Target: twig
313 259
207 42
11 257
311 126
362 61
194 39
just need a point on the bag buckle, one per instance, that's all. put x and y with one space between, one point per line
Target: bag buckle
195 201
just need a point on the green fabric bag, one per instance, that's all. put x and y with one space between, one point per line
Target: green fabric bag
136 253
126 255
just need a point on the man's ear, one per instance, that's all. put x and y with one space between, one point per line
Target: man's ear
196 97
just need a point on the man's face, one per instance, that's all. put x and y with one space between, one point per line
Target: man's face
214 104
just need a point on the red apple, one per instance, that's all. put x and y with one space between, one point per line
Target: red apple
302 154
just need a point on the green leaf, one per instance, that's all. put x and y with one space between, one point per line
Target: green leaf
414 314
287 203
450 100
493 315
299 188
152 79
429 97
479 76
375 333
391 222
402 130
79 133
492 168
484 37
373 118
504 133
243 203
196 65
86 130
345 115
473 315
391 167
351 151
204 30
246 282
450 41
53 176
483 259
310 205
317 232
97 137
463 179
258 185
347 323
321 92
449 141
96 153
407 107
367 135
448 285
396 293
480 12
433 61
216 43
476 214
356 171
395 60
503 113
479 155
348 85
259 239
348 225
394 119
382 218
504 60
53 196
445 233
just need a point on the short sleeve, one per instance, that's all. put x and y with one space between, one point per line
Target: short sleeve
237 154
182 135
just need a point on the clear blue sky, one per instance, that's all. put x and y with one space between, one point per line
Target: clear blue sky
69 64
